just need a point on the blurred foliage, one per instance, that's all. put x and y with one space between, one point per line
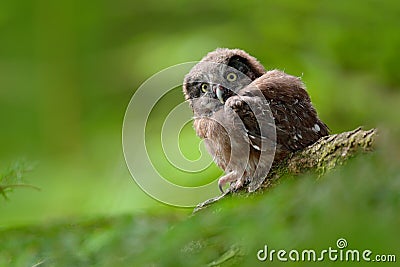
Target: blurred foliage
359 202
13 178
69 68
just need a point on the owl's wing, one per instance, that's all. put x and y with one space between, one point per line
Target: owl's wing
296 121
254 112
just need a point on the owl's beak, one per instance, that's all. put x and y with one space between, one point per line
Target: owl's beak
219 92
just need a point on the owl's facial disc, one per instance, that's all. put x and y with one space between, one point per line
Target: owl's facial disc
209 85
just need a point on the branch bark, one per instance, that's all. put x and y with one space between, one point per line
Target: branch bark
323 155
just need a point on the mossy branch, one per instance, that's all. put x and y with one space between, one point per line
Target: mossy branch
323 155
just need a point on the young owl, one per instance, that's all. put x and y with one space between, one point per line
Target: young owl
248 117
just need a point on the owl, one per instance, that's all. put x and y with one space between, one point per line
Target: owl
250 118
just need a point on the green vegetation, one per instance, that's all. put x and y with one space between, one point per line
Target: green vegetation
13 178
68 70
358 202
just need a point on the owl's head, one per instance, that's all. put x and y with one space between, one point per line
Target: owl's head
218 76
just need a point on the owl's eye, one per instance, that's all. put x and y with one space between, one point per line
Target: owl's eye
231 77
204 87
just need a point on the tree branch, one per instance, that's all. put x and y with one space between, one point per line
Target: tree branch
321 156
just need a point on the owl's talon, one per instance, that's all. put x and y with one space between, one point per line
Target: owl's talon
238 184
228 178
235 104
220 188
238 104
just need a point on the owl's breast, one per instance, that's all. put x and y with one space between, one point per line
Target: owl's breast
201 127
216 140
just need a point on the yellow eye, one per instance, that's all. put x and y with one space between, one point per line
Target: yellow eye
231 77
204 87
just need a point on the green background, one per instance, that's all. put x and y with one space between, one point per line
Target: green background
69 68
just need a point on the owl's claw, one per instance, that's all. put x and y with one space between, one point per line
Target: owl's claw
220 188
228 178
238 184
235 103
235 183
